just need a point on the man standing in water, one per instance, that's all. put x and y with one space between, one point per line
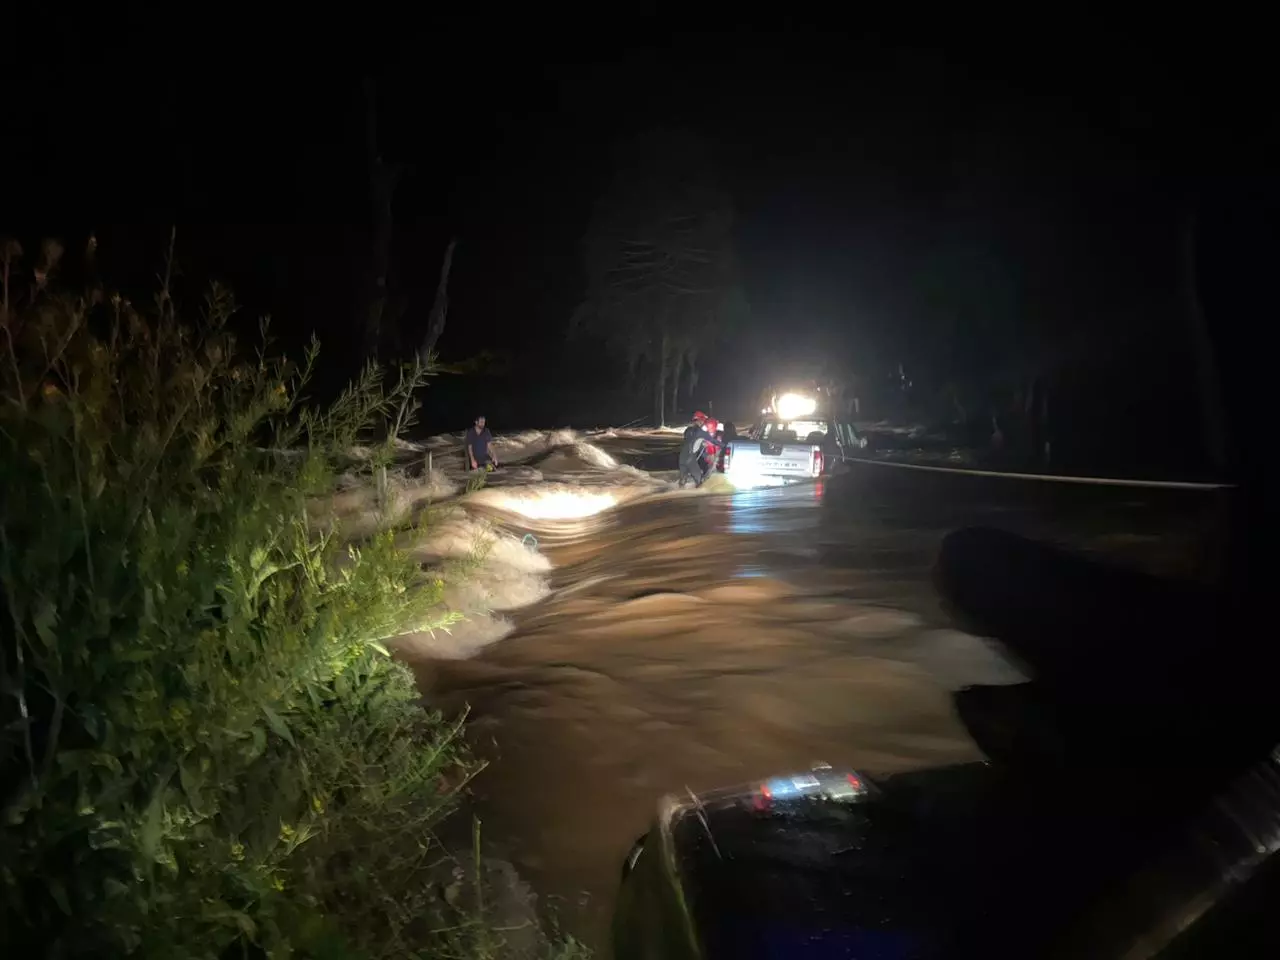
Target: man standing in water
696 438
478 439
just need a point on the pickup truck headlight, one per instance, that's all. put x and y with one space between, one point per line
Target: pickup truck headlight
793 405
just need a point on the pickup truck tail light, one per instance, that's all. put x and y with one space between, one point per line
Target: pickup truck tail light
817 462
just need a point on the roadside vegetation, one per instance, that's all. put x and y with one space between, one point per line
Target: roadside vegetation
205 747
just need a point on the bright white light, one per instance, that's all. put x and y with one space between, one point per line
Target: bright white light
555 504
751 480
792 405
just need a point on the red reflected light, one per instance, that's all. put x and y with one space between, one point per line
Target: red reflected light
763 797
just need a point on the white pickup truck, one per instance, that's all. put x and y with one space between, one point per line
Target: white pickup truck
812 446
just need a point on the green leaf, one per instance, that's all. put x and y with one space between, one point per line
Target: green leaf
192 780
92 720
220 911
153 824
108 761
453 893
45 619
244 922
277 724
258 737
59 893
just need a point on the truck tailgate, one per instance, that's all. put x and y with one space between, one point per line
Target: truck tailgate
770 460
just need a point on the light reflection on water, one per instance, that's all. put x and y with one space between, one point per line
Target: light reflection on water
773 509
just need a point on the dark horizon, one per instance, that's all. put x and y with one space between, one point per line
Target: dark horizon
934 204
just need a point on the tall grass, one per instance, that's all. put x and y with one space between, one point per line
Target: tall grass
205 749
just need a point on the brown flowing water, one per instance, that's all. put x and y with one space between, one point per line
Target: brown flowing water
684 640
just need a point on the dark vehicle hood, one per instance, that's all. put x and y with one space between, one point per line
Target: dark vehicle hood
962 861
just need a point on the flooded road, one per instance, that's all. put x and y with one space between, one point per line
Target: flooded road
688 639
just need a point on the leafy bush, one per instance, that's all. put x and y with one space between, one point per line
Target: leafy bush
205 748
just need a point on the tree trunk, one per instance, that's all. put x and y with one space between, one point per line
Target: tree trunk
1046 436
1209 386
439 307
379 263
1034 420
660 385
675 385
383 178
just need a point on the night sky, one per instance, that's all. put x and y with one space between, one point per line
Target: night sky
900 197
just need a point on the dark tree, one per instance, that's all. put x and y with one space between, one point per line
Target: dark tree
384 177
439 308
382 309
659 259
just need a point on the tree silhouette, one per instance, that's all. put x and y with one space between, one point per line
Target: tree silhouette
384 177
384 304
659 260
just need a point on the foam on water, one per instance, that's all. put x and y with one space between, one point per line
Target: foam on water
358 509
595 456
484 571
549 504
521 446
550 484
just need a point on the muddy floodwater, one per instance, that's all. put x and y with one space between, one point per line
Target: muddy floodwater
649 640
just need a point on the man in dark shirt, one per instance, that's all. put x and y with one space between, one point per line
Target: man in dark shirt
478 438
696 437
